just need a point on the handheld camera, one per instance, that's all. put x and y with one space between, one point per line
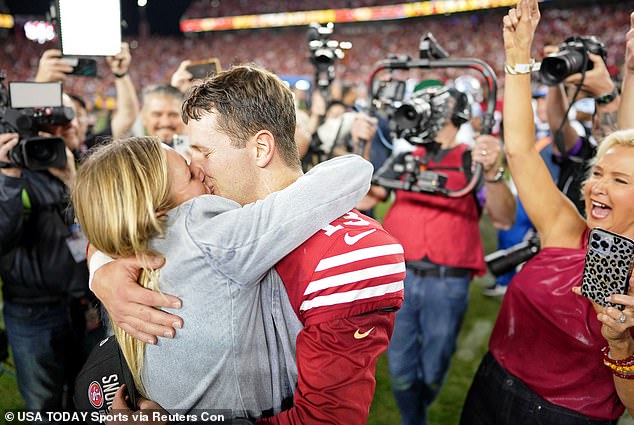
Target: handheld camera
418 118
28 108
571 58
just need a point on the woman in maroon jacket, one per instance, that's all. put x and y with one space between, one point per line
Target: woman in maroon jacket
546 355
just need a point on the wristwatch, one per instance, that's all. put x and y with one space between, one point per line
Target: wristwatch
607 98
498 176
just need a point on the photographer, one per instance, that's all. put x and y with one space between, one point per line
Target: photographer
338 130
579 145
44 274
443 250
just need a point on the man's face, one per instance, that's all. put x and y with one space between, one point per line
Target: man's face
229 171
161 117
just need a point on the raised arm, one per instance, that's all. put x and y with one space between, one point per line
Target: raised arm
246 242
552 214
556 107
626 110
127 99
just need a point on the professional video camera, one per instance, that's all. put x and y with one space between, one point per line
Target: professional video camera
28 108
418 118
324 54
504 261
571 58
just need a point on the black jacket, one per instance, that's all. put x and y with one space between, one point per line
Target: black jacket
36 264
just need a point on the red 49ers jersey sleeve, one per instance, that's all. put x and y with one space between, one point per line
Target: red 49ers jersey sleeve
352 266
336 362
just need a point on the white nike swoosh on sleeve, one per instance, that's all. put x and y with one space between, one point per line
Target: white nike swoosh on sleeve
351 240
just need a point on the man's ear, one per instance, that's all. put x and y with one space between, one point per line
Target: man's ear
265 145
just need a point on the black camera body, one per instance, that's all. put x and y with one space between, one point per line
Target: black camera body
324 53
409 172
33 151
418 118
571 58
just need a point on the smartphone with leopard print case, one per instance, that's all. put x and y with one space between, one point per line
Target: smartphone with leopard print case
608 266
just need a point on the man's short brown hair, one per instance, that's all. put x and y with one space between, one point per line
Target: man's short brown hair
248 99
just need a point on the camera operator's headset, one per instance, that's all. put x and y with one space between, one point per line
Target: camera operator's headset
434 56
461 108
461 112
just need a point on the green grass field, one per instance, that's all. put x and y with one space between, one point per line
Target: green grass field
472 345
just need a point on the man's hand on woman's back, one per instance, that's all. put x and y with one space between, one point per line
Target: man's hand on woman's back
132 307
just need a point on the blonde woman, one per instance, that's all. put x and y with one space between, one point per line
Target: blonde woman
546 354
136 197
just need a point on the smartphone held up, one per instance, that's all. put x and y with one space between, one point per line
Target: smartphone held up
608 266
205 68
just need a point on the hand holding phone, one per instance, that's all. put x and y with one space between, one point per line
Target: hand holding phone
189 70
83 67
608 266
52 67
203 68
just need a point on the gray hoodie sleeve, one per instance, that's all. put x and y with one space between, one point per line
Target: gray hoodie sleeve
245 243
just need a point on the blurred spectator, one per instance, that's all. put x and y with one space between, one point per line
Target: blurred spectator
161 112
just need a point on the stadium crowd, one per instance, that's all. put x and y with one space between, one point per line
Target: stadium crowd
285 51
216 8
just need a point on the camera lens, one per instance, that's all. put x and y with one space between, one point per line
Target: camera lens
406 117
556 67
410 115
41 151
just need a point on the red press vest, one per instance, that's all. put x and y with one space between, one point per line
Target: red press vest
445 230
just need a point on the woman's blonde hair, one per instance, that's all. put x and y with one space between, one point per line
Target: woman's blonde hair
620 138
116 196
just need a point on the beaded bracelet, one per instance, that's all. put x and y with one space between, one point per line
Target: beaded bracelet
619 368
622 376
623 368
